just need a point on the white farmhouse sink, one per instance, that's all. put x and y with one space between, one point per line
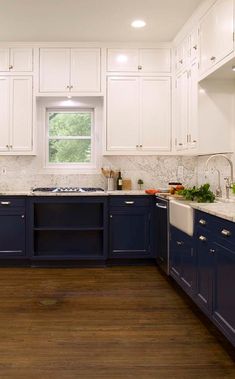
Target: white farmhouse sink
182 217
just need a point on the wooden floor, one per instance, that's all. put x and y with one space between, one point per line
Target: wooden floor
112 323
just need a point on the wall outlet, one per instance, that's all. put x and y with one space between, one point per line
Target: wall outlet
4 171
180 171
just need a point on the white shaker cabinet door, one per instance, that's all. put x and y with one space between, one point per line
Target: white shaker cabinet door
155 60
21 60
193 107
4 59
123 60
207 42
181 111
155 107
224 27
21 113
54 70
4 113
123 114
85 70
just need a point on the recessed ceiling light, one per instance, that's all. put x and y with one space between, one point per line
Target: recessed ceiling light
138 24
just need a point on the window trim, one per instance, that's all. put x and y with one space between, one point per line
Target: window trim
71 165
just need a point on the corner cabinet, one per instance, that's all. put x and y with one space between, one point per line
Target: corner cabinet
16 115
138 114
130 220
215 271
65 70
216 34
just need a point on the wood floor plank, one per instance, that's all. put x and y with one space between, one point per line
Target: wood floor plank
119 322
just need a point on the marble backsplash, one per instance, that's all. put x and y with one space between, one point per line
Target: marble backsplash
25 172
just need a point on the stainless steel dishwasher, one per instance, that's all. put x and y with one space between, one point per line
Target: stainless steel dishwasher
162 233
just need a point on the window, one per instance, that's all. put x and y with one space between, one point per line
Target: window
70 138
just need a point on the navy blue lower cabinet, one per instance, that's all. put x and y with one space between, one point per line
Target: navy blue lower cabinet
12 228
182 259
205 269
130 232
12 235
224 287
69 228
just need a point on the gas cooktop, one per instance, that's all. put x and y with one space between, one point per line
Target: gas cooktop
67 189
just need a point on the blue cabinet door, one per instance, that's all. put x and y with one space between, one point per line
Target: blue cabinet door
205 270
224 287
12 235
130 232
175 257
182 260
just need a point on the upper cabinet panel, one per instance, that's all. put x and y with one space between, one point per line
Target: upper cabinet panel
16 59
64 70
139 60
122 60
54 70
4 59
85 70
216 34
155 60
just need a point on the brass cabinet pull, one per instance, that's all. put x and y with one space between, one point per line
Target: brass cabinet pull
179 243
213 59
140 67
10 67
202 238
202 222
212 251
226 233
129 202
5 203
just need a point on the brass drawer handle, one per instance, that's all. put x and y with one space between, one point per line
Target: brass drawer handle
179 243
202 222
202 238
226 233
129 202
212 251
5 203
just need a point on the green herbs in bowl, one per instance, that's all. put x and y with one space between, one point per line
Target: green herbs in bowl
201 194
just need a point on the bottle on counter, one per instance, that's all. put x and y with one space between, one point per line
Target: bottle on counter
119 181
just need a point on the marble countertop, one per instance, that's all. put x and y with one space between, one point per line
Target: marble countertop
98 193
220 208
225 210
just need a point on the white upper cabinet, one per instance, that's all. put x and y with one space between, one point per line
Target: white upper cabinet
139 60
194 45
4 113
69 70
54 70
21 114
155 114
16 114
138 114
122 114
122 60
85 70
193 106
182 55
216 34
16 59
181 111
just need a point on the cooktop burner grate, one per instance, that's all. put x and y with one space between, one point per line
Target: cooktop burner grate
68 189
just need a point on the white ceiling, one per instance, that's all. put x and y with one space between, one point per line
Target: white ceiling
92 20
